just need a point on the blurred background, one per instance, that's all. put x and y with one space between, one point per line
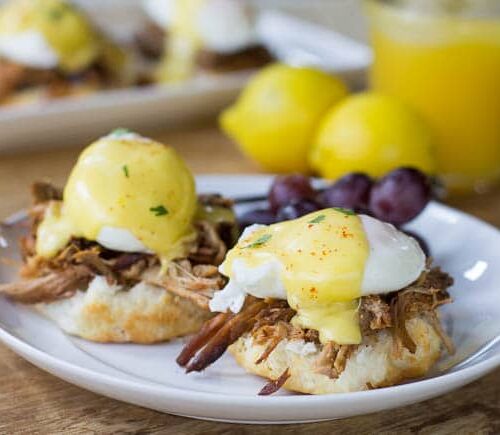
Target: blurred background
324 87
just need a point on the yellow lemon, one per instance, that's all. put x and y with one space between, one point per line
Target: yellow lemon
372 133
276 115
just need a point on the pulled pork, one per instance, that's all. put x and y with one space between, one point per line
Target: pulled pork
195 277
269 322
49 287
422 297
195 282
251 57
17 78
150 41
272 386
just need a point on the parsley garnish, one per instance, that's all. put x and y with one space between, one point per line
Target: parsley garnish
159 210
120 132
56 14
346 211
318 219
125 171
259 242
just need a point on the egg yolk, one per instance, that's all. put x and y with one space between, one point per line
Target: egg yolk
67 31
130 183
323 257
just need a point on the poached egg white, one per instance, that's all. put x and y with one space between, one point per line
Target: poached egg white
29 48
395 260
223 26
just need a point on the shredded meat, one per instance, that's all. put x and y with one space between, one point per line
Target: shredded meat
227 230
50 287
96 258
195 277
273 386
333 359
215 200
42 192
251 57
420 298
10 76
212 346
15 77
209 329
227 335
209 248
271 336
150 41
128 261
269 322
374 314
196 283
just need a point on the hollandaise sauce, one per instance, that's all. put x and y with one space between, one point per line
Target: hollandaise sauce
183 42
127 183
323 257
52 31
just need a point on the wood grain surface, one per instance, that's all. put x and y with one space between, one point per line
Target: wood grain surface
32 401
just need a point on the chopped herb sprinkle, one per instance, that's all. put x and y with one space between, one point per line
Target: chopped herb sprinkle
317 219
159 210
58 11
346 211
125 171
259 242
120 132
56 14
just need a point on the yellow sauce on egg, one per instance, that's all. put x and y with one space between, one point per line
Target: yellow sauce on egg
65 28
323 257
183 42
130 183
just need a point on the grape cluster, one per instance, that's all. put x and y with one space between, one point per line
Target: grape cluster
397 198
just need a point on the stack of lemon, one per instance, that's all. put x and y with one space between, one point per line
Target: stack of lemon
300 119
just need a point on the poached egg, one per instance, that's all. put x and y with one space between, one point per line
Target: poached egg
221 26
46 34
321 264
129 194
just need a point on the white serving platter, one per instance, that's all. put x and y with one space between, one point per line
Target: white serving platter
68 121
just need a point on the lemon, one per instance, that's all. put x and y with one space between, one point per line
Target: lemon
371 133
275 117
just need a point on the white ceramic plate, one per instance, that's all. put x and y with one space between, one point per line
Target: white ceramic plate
148 376
72 120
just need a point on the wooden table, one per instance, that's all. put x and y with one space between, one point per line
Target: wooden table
34 401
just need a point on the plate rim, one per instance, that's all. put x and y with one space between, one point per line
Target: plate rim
16 343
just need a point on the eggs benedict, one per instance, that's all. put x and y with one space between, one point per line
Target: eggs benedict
48 48
329 302
208 35
127 252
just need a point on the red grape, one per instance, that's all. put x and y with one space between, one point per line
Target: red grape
288 188
297 209
351 191
261 216
400 196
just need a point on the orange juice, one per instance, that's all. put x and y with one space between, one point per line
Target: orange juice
447 65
